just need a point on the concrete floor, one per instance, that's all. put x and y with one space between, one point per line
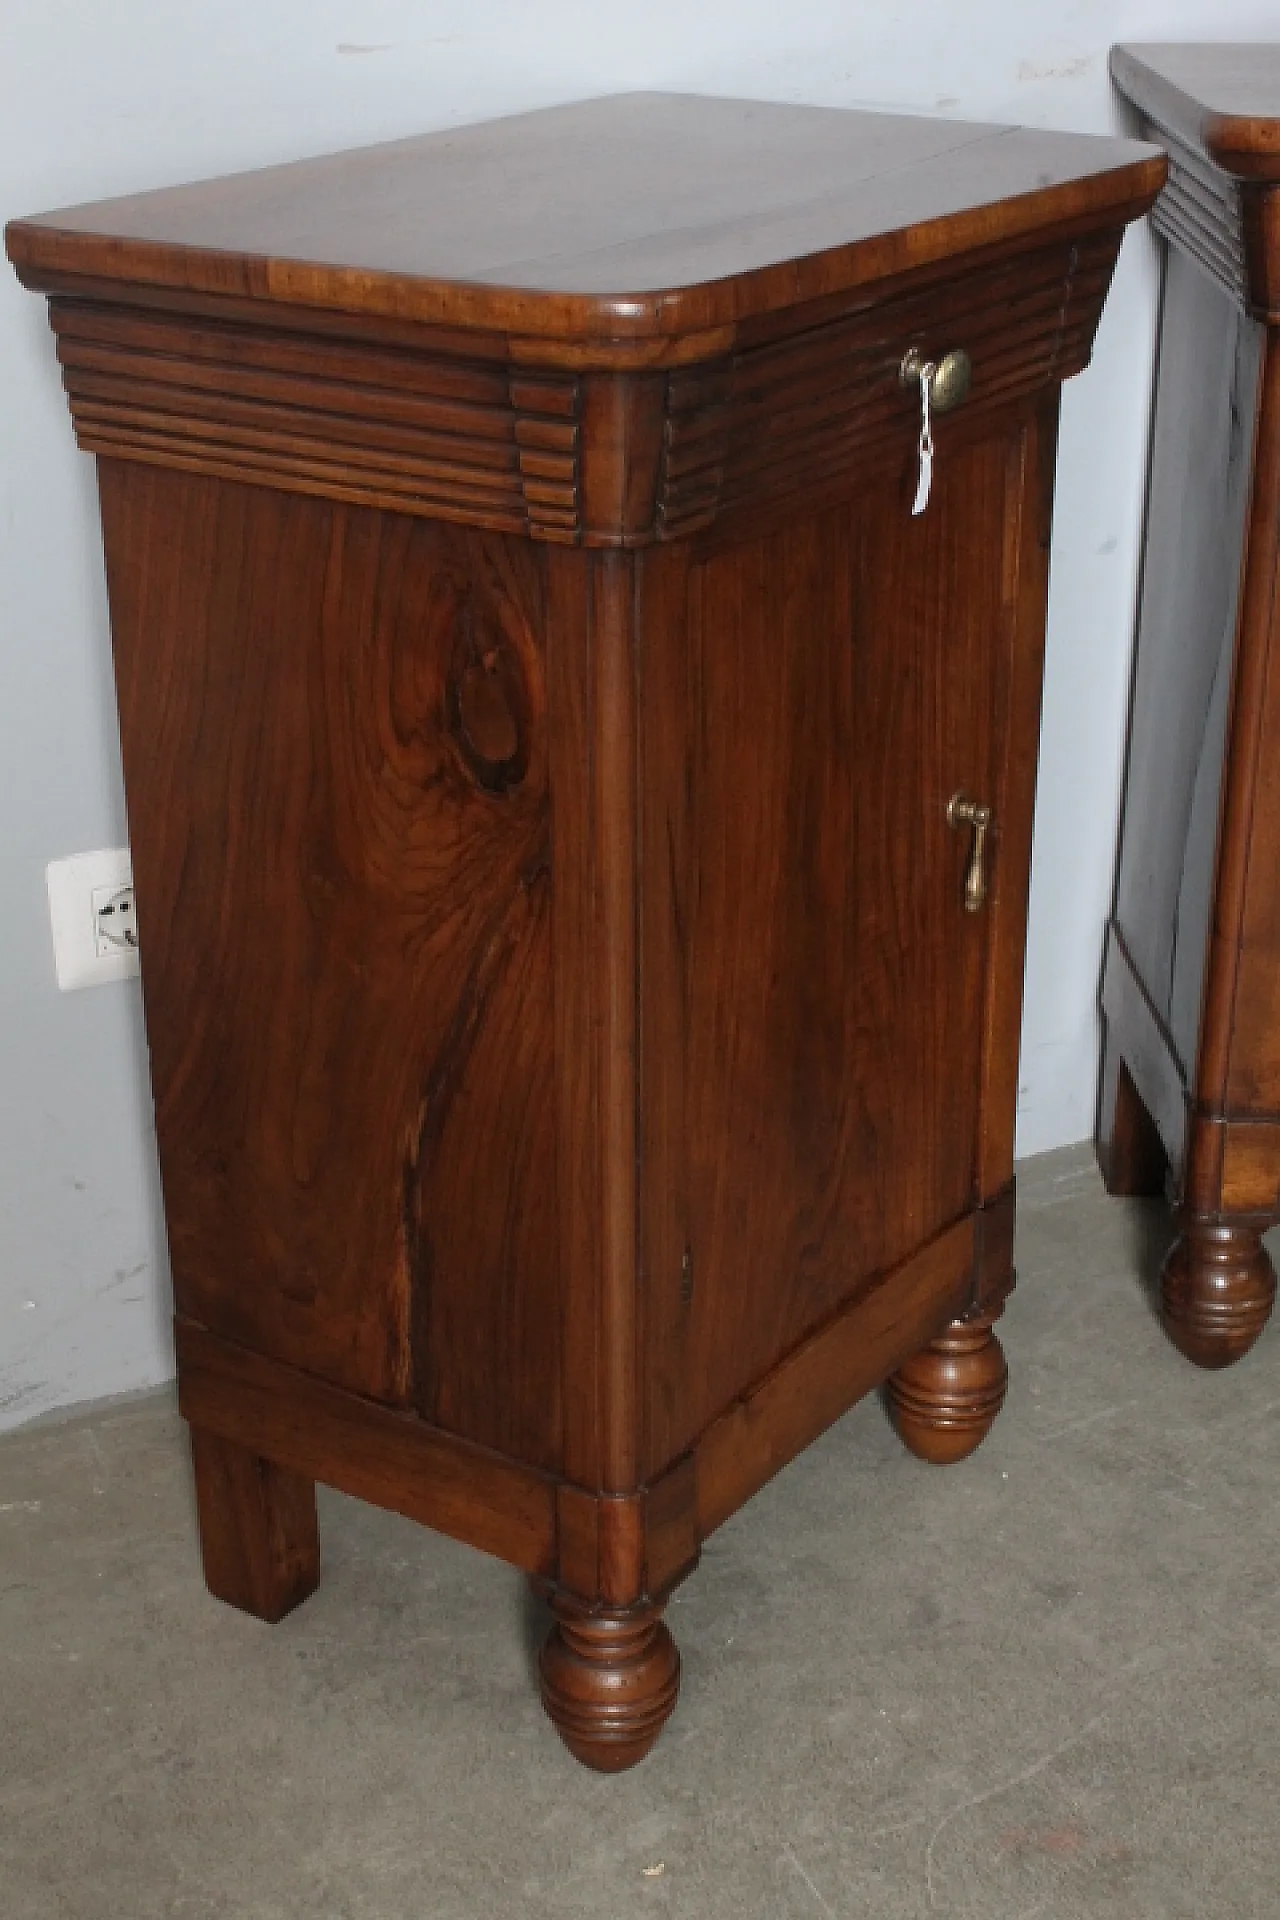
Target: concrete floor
1042 1683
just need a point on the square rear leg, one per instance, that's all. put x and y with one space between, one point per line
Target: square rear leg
259 1533
1130 1151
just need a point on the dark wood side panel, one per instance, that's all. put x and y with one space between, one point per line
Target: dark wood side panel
1198 498
812 991
335 733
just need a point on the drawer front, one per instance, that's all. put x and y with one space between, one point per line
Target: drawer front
780 425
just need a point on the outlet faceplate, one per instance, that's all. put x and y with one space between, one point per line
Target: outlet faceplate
90 943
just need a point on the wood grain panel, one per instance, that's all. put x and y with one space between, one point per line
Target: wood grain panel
806 925
334 730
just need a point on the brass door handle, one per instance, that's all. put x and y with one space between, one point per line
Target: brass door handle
963 812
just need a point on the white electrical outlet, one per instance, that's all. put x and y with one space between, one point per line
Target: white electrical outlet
91 906
114 922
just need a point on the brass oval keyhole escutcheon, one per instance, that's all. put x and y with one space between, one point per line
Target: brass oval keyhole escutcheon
963 812
949 378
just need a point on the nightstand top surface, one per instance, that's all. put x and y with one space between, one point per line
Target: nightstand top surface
1222 98
640 215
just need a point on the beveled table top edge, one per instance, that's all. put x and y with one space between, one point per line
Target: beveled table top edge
1102 179
1243 143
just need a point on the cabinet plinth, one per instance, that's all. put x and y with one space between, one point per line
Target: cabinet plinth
583 1029
1190 1092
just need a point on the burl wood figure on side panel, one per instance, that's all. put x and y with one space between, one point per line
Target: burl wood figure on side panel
581 818
1191 1071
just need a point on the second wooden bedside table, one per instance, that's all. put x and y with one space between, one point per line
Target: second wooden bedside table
1191 996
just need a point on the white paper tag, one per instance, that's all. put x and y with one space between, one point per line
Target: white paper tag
924 483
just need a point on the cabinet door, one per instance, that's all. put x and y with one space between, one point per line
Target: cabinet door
815 1000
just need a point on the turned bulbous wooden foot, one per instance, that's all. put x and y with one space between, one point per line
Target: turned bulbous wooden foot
609 1683
945 1399
1217 1289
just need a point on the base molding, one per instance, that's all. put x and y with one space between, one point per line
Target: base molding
605 1551
1223 1163
1233 1165
823 1377
394 1460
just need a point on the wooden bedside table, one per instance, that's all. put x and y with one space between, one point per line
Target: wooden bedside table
1191 996
581 818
